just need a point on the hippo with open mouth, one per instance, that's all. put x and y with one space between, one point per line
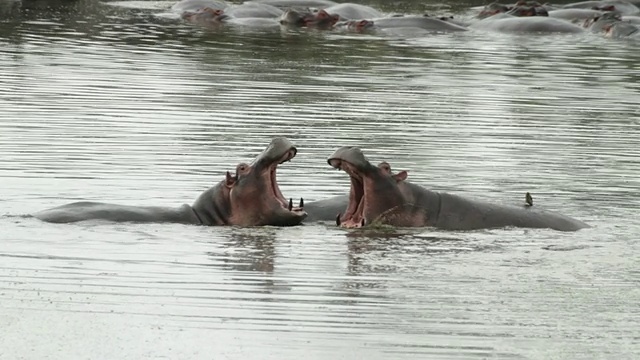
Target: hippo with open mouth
250 197
378 196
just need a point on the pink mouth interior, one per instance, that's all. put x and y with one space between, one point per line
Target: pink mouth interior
274 183
354 215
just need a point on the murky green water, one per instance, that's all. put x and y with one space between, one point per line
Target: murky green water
117 104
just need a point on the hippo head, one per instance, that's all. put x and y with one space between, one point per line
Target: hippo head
293 17
374 189
324 20
492 9
251 196
206 14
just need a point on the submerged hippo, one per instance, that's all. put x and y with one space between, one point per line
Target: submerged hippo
611 25
379 197
575 15
206 16
250 197
296 18
253 10
531 24
196 5
318 4
422 22
351 11
617 6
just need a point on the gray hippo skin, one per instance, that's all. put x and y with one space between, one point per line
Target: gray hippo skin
326 209
319 4
196 5
253 10
611 25
532 24
407 25
350 11
574 15
251 197
619 7
379 197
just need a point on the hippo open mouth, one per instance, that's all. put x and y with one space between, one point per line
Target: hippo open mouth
273 184
374 189
353 217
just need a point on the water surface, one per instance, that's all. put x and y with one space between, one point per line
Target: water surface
120 104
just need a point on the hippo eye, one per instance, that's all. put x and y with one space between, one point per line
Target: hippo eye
242 168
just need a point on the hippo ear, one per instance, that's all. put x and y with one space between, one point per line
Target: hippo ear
230 180
401 176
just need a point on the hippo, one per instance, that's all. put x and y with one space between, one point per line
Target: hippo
351 11
532 24
617 6
296 18
253 10
575 15
206 17
422 22
407 25
250 197
493 9
611 25
631 19
325 209
195 5
378 196
318 4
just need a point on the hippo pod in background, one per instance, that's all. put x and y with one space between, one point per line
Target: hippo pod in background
251 197
379 197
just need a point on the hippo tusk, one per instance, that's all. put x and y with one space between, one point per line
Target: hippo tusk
290 204
338 219
301 203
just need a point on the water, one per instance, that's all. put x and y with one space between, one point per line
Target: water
120 104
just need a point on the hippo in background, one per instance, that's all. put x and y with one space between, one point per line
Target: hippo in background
506 23
193 6
406 25
351 11
575 15
249 197
616 6
296 4
612 25
520 8
378 196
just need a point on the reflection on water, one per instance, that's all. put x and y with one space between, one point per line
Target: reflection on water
119 104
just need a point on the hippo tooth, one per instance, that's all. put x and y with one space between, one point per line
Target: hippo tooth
338 219
290 204
301 203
